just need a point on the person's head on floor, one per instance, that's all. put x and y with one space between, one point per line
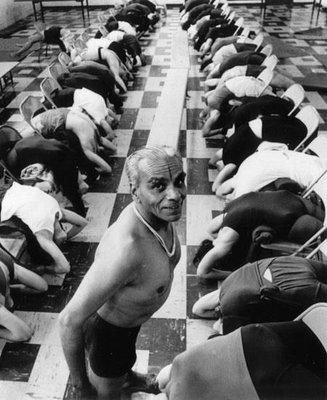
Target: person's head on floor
39 176
156 180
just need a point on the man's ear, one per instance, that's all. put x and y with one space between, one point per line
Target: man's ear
134 192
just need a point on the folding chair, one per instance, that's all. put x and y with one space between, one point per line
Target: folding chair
231 17
7 134
266 76
225 9
244 35
310 117
315 317
295 93
64 59
29 107
318 146
48 86
258 41
55 69
239 23
270 62
267 50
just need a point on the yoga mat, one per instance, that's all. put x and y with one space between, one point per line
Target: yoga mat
282 49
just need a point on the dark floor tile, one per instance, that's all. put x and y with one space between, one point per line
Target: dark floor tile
191 251
121 201
80 256
214 143
17 360
196 289
192 118
193 83
164 338
197 178
139 139
109 183
150 99
7 112
158 71
137 84
127 120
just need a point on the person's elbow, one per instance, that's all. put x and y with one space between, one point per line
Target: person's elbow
68 320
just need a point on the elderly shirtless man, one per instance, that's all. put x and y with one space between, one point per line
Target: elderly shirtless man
129 280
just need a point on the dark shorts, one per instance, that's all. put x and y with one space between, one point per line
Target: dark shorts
110 349
52 35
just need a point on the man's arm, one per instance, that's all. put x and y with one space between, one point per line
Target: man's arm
113 268
222 245
78 223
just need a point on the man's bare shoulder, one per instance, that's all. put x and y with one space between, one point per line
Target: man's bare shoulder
122 238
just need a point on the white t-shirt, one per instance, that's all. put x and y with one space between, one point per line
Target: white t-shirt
223 53
115 36
264 167
37 209
91 102
245 86
127 28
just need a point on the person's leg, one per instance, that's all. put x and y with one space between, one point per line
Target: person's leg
107 388
108 145
223 175
205 306
37 37
113 64
210 122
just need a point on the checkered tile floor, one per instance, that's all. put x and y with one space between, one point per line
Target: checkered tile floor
37 370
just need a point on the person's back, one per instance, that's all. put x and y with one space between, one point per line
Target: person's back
263 167
279 210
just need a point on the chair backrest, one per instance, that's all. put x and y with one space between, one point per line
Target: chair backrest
310 117
244 35
266 76
55 69
257 41
270 62
101 18
295 93
48 87
231 17
64 59
103 30
224 8
319 146
267 50
315 317
8 137
29 107
239 23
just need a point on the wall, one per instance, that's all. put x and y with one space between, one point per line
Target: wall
12 12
